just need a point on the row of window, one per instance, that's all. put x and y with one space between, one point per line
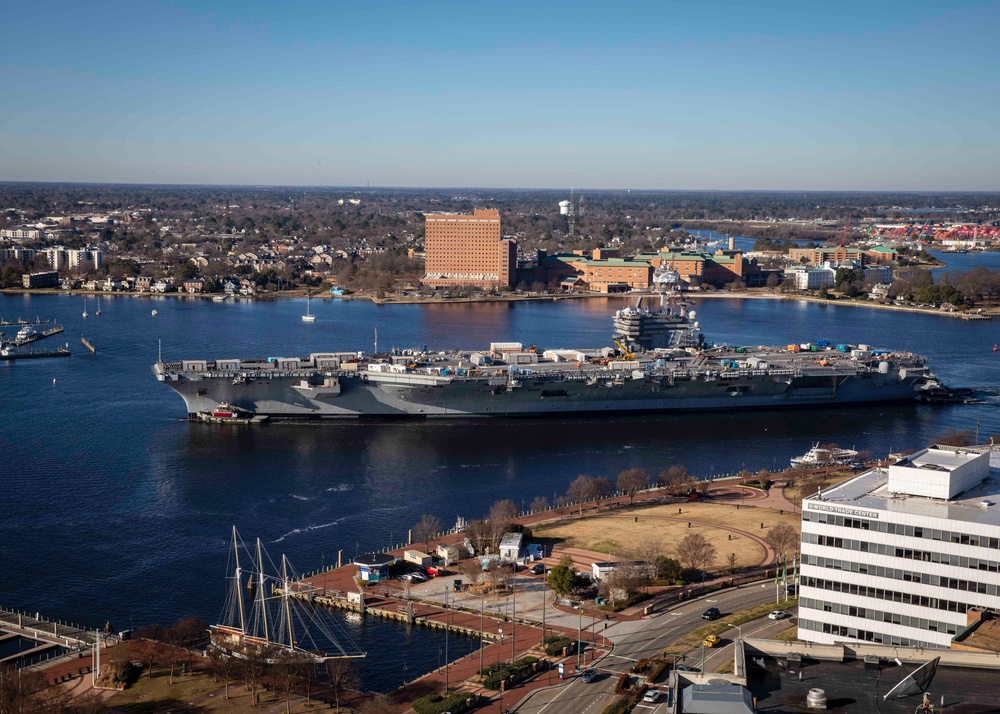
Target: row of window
908 576
866 635
935 603
926 556
868 613
904 530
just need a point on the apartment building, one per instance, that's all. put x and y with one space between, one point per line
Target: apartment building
467 250
905 555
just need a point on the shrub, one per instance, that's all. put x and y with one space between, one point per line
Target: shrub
622 685
554 644
438 704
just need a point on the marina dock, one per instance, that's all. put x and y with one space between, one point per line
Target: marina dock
12 353
86 343
40 335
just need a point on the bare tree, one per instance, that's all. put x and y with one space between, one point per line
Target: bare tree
631 481
426 530
255 661
473 571
783 538
731 563
540 503
224 665
695 552
344 676
502 516
677 479
283 675
603 488
479 534
377 704
955 438
581 490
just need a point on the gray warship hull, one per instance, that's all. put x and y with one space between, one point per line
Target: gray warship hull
314 393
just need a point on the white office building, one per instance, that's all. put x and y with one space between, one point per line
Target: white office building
899 556
810 278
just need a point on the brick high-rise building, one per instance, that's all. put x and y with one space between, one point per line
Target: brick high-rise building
467 250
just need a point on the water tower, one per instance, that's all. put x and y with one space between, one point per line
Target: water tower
565 207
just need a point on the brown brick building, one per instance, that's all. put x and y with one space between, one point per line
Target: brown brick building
467 250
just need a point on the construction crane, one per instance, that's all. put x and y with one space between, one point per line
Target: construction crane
625 352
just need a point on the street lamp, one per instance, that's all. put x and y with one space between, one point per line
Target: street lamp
579 638
738 629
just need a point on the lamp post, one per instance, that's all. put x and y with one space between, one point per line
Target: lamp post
738 629
513 616
544 604
481 633
447 612
579 637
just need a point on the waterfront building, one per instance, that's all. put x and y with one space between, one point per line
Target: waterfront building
810 278
17 254
47 279
467 250
905 556
818 256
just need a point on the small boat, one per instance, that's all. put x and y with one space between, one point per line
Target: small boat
85 307
819 456
224 413
994 347
219 298
154 313
26 334
308 317
98 310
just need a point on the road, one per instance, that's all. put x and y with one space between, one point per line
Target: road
639 640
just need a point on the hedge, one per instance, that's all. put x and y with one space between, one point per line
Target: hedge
497 673
438 704
554 644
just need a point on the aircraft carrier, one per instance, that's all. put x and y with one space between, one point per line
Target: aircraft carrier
660 363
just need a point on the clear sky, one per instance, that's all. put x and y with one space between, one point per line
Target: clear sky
872 95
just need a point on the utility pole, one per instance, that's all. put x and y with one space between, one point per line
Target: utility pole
446 614
579 637
482 646
513 616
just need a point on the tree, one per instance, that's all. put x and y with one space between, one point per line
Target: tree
344 676
631 481
189 633
676 479
254 663
502 516
955 438
603 488
695 552
668 568
582 489
224 665
824 292
473 571
562 578
731 563
479 534
540 503
783 538
283 675
377 704
426 529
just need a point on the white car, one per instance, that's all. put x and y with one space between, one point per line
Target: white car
652 696
777 614
414 577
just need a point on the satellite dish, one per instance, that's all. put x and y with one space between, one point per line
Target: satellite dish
916 682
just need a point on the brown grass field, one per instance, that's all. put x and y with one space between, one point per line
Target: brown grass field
617 532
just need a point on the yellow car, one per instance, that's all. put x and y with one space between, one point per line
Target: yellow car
712 641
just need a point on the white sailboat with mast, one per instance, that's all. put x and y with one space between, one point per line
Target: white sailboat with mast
308 317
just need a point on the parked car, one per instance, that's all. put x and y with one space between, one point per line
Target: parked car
432 571
777 614
589 675
538 569
685 668
414 577
791 589
712 641
711 613
651 696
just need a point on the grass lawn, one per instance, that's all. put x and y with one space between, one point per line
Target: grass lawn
197 692
620 533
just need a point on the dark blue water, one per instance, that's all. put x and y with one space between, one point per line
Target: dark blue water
965 262
114 509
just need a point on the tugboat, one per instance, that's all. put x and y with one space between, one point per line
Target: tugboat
225 413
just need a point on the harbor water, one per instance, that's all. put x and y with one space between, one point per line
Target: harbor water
115 509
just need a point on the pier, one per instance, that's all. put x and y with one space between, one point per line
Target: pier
40 335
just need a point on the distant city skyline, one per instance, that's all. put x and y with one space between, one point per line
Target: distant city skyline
886 96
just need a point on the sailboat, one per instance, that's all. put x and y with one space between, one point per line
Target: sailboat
308 317
85 307
271 610
98 311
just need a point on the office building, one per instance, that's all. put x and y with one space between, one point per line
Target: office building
905 555
467 250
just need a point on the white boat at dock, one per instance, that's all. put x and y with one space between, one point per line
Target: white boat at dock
822 456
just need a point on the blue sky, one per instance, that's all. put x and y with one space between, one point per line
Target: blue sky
658 95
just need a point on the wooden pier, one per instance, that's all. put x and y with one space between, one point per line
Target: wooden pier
86 343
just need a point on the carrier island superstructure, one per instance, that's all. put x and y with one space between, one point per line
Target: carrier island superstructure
660 363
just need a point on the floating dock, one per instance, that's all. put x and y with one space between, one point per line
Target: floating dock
40 335
86 343
8 354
